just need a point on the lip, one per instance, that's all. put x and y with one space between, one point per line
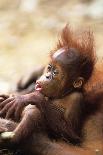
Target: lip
38 87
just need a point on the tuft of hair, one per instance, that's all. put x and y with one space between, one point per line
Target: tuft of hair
83 42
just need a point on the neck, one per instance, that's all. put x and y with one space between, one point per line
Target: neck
67 92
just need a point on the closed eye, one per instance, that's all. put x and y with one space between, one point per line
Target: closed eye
49 67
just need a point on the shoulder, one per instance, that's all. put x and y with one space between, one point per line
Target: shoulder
75 96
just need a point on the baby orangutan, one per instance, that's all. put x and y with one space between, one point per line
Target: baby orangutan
56 107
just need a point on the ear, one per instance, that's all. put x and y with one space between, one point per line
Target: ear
78 82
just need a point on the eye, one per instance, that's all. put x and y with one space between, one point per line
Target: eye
55 72
49 67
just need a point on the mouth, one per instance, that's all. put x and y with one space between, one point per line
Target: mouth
38 87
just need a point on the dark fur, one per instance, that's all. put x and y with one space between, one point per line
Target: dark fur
73 117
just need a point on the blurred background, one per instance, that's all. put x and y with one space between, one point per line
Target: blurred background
29 29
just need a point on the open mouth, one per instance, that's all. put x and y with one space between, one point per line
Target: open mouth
38 87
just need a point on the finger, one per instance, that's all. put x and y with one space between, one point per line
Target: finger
10 112
18 112
1 99
4 96
6 108
6 102
3 129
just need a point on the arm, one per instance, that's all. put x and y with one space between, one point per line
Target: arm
30 122
42 145
12 107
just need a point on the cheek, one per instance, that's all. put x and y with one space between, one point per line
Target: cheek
48 86
62 78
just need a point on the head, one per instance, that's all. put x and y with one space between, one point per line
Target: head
71 64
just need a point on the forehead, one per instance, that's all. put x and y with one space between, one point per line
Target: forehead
65 56
58 53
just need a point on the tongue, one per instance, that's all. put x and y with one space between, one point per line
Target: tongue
38 87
